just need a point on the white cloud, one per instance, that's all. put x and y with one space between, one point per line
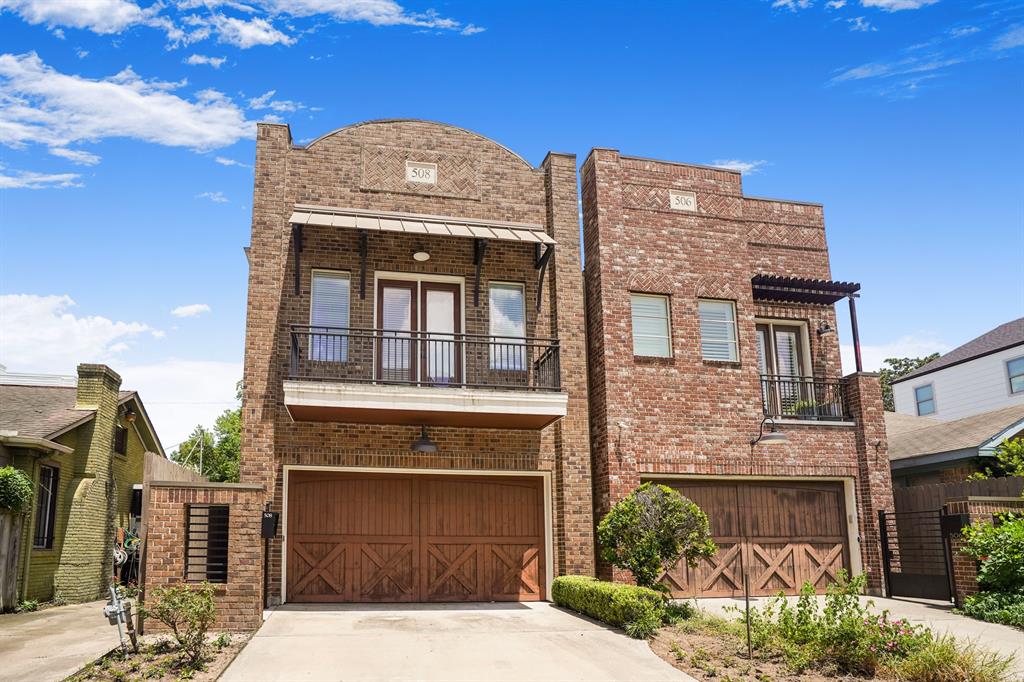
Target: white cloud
374 12
835 4
902 67
472 30
904 347
1014 37
224 161
265 101
897 5
41 334
860 24
962 31
745 167
190 310
792 5
199 59
33 180
78 156
178 393
247 33
98 16
215 197
81 54
42 105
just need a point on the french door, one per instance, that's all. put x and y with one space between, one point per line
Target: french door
780 361
420 326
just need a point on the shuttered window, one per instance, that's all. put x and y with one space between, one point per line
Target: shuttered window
328 316
718 331
46 507
507 307
925 398
651 332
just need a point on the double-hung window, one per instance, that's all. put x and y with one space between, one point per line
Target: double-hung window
1015 368
328 316
508 326
46 507
718 331
924 396
651 330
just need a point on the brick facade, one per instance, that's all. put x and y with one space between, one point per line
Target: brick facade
362 167
239 601
683 414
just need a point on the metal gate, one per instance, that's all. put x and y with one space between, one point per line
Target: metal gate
915 554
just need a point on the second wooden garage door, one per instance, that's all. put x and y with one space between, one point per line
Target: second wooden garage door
782 534
407 538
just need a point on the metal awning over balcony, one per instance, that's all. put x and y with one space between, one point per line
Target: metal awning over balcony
416 224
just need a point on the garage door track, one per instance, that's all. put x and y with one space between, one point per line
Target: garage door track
510 641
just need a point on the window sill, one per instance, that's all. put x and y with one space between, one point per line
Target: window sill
725 364
655 360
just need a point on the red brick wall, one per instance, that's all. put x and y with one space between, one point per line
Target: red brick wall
361 167
240 600
686 415
965 568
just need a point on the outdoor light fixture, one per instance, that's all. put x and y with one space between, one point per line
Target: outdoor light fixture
129 414
825 329
423 443
421 255
773 437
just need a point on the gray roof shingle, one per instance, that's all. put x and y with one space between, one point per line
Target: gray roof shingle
911 436
40 411
1003 336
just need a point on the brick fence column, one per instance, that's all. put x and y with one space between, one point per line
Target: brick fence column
965 568
874 478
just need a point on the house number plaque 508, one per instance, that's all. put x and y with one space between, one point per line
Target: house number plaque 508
682 201
423 173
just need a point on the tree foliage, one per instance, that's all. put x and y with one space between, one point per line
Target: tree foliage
15 491
1009 461
893 369
651 529
219 450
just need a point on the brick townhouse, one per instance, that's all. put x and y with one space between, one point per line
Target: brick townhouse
711 325
416 403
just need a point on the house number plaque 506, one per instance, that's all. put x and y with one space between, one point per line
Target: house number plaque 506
423 173
682 201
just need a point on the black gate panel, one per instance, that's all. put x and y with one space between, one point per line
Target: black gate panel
915 554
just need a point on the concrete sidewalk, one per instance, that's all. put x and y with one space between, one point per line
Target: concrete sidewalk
935 615
53 643
528 641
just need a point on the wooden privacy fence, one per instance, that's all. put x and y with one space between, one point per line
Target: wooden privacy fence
932 497
10 542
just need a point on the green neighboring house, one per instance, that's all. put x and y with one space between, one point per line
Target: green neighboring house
83 442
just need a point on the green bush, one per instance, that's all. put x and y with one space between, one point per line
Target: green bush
188 611
27 606
650 529
1000 549
15 491
639 610
1006 608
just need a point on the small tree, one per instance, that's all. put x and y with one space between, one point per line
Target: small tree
15 491
893 369
188 612
1009 461
650 530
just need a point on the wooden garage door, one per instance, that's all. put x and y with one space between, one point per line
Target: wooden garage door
407 538
783 533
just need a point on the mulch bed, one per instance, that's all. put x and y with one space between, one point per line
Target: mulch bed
159 660
710 654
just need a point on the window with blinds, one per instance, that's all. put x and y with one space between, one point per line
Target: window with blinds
718 331
507 307
651 332
328 316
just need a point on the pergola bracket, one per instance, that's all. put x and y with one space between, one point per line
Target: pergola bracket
479 249
297 239
363 240
540 262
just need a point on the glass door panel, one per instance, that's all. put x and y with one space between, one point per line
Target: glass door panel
396 306
441 351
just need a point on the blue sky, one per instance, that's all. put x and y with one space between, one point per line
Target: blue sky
126 144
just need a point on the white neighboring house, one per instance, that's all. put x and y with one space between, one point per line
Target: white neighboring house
982 375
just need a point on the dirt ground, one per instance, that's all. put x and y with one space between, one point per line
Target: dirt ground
159 660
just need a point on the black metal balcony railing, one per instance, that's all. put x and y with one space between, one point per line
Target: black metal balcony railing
382 356
788 397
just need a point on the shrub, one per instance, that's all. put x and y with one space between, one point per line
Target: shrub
1000 549
996 607
945 660
651 529
639 610
27 606
188 612
15 491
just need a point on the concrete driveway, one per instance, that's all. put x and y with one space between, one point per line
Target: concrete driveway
53 643
536 641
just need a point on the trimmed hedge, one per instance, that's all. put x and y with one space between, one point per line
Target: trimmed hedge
626 606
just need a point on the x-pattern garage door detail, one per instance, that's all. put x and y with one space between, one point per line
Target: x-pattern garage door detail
393 538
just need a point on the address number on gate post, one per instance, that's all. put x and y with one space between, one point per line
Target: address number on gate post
424 173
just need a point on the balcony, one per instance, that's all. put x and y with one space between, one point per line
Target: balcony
383 376
804 398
